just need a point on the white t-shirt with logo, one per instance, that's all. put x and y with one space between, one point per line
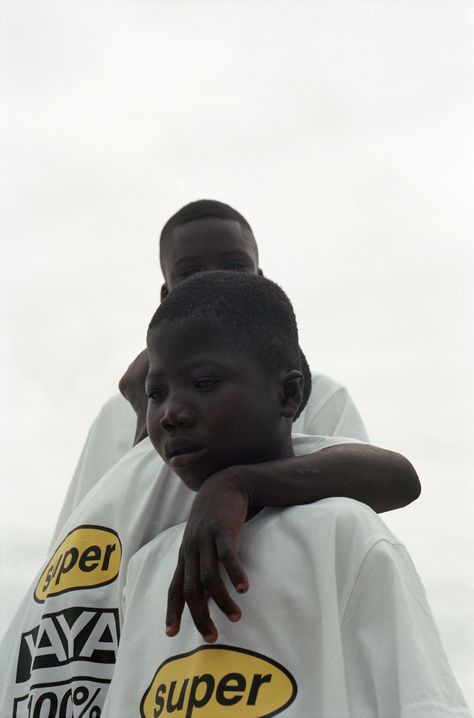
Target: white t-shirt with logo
330 411
335 625
57 657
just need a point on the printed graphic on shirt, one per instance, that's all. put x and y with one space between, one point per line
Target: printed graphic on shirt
79 698
219 680
88 557
75 634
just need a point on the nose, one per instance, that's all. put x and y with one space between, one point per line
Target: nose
175 415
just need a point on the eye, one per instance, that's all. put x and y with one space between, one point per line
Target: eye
188 272
236 267
205 383
156 394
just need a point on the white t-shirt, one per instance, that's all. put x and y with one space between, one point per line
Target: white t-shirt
59 652
335 625
330 411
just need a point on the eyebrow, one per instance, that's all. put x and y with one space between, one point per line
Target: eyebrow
153 378
206 361
197 257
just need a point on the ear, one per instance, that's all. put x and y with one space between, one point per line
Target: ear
292 393
164 291
260 272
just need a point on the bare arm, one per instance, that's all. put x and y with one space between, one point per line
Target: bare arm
382 479
132 388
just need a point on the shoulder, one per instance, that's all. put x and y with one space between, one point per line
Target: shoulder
325 389
116 408
330 411
345 526
113 426
323 382
338 509
308 444
324 544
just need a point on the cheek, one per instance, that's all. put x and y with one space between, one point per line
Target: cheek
234 426
153 418
249 425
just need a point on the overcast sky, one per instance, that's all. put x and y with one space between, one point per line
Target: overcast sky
342 131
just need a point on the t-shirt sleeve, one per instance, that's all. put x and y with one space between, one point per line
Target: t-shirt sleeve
395 663
330 411
109 438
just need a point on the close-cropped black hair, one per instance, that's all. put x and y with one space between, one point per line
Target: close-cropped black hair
201 209
307 383
254 311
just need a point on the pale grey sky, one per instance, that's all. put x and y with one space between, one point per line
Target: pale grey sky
342 131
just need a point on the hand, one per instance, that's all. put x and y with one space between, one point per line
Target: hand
210 538
132 387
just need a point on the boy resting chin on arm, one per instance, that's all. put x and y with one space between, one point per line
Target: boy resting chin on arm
343 629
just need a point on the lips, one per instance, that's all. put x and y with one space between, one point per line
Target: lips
180 451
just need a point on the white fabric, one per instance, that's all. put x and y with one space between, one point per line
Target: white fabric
61 652
330 411
109 438
137 498
334 600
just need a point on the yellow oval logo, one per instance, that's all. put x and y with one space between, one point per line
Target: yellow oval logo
88 557
219 682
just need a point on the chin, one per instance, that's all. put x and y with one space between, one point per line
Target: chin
193 484
194 480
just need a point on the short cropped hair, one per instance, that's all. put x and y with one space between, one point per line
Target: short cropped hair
307 383
201 209
253 310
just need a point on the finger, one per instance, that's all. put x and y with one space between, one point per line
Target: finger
213 585
228 558
174 608
197 602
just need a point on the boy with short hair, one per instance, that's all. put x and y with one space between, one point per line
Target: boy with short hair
345 630
60 649
209 235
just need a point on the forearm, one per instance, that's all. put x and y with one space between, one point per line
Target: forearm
384 480
141 430
132 388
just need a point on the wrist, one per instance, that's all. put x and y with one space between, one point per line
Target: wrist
247 480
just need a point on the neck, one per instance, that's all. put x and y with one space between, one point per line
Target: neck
283 448
265 472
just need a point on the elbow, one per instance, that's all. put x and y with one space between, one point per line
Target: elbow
415 487
408 482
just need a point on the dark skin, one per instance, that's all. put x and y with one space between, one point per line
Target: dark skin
202 246
222 503
132 387
202 395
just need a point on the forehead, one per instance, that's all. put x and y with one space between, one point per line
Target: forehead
203 237
182 343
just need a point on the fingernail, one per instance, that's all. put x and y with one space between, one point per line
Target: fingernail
234 617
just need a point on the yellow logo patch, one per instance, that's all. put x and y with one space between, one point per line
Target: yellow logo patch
88 557
219 682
